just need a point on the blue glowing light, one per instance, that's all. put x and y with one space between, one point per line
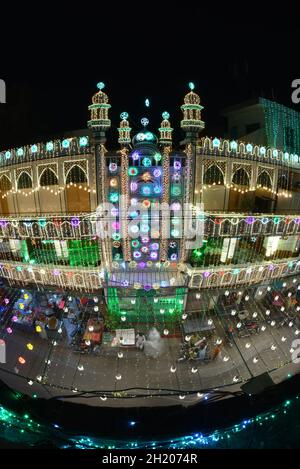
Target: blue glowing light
49 146
83 141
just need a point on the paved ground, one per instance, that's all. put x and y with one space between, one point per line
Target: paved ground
62 371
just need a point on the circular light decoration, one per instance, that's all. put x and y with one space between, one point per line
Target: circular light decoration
49 146
83 141
113 182
146 203
134 229
175 206
145 249
165 115
262 150
9 330
173 257
20 152
135 243
145 228
191 86
114 211
124 116
75 221
100 85
146 176
132 171
176 177
157 189
233 145
113 167
116 236
157 173
34 148
114 197
154 246
249 148
21 360
135 155
7 155
177 165
145 239
144 121
146 162
176 190
66 143
153 255
146 189
216 143
275 153
29 346
133 186
42 222
157 157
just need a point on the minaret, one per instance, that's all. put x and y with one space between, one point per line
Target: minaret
165 130
99 124
124 130
192 125
165 140
191 122
124 140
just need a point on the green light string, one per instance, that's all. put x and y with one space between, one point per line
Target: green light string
282 126
23 429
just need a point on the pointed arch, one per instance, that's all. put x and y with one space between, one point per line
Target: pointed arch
5 183
264 179
48 178
241 177
24 180
213 175
76 175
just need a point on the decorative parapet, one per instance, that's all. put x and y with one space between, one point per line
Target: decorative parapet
60 276
219 277
222 224
42 151
246 151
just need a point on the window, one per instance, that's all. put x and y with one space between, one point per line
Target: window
213 175
24 181
48 178
240 177
76 175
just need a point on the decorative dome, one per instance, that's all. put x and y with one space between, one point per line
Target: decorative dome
191 98
99 110
191 109
165 129
124 129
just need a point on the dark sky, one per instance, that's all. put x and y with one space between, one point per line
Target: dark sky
52 70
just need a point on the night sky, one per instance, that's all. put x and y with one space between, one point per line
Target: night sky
52 70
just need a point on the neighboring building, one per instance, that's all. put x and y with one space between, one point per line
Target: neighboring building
56 234
265 122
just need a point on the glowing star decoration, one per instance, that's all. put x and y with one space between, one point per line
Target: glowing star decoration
165 115
191 86
124 116
83 141
66 143
146 162
144 121
113 167
132 171
100 85
49 146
